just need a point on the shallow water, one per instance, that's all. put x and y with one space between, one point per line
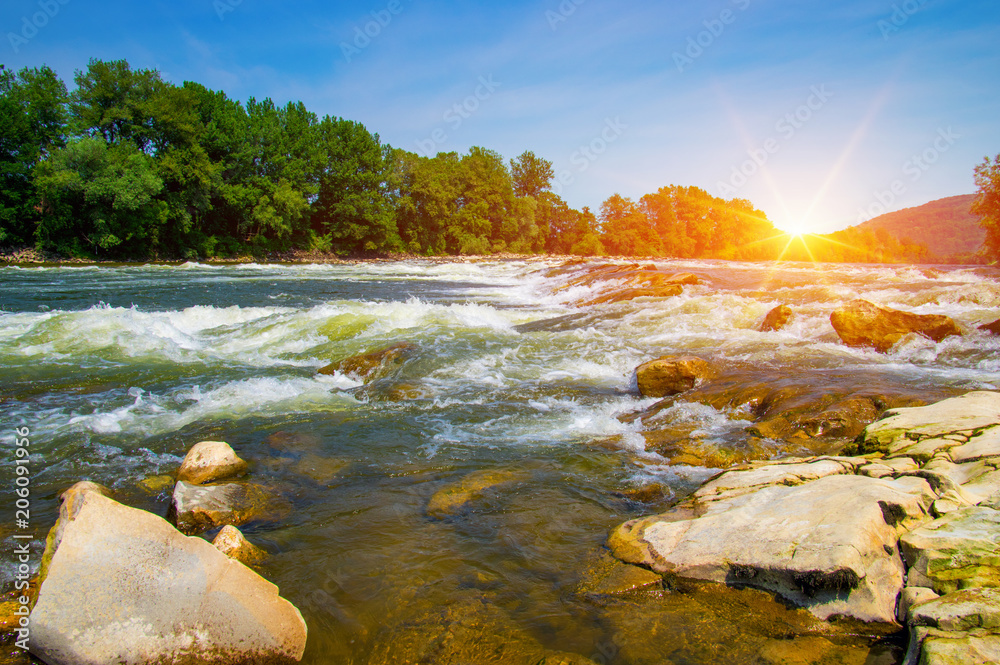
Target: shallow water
117 371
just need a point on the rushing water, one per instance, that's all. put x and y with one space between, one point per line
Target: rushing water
117 371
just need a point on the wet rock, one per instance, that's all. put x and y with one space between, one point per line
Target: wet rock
457 497
809 651
921 432
120 585
156 484
607 575
469 630
624 295
374 365
294 441
863 323
944 648
197 508
210 461
231 542
322 470
777 318
958 551
563 658
828 545
671 375
993 328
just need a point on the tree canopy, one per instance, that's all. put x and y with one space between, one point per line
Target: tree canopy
130 166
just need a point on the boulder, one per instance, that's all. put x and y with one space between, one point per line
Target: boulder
671 375
993 328
197 508
231 542
210 461
120 585
156 484
457 497
958 551
374 365
863 323
777 318
828 545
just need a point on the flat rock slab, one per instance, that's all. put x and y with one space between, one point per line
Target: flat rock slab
828 545
122 586
742 481
954 422
964 610
958 551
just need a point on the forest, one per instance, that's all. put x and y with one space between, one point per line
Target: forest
128 166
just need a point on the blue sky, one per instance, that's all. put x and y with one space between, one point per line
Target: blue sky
820 113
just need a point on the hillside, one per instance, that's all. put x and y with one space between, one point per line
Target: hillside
945 226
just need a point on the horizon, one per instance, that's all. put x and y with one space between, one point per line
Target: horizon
821 117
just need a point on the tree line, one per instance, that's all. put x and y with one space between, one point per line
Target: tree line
130 166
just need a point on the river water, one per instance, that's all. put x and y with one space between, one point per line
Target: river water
117 371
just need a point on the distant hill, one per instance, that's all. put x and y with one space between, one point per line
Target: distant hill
945 227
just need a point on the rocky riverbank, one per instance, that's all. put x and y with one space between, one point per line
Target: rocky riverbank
905 531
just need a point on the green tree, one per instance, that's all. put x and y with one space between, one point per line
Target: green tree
531 175
626 230
354 205
987 205
33 117
99 200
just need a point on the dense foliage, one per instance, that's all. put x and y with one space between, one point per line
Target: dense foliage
129 166
987 204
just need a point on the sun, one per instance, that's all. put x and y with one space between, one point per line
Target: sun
795 228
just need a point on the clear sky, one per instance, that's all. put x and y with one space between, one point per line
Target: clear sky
821 113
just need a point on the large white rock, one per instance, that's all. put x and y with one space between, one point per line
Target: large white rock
121 585
828 545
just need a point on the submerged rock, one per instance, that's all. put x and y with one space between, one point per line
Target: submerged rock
198 508
120 585
776 319
671 375
375 364
863 323
458 496
624 295
210 461
607 575
469 630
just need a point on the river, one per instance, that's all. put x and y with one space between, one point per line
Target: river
118 370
